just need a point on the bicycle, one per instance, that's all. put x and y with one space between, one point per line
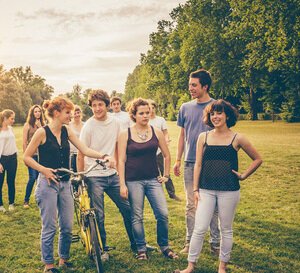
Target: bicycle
85 215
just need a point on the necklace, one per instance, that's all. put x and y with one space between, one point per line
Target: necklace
142 136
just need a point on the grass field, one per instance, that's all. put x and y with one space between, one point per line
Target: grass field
266 228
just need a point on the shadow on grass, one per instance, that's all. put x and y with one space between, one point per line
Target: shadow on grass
264 246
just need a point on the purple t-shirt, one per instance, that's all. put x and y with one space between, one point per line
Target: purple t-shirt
190 117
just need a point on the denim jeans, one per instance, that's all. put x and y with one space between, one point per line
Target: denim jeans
226 201
33 175
111 186
55 201
191 210
9 164
153 190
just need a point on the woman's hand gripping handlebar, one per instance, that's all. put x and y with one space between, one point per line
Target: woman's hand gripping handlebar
100 162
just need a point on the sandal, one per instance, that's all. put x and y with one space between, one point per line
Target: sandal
170 254
141 256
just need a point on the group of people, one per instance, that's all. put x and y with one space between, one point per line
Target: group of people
135 145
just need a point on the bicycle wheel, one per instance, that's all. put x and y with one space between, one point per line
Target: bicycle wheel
96 250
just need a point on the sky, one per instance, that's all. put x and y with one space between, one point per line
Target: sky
93 43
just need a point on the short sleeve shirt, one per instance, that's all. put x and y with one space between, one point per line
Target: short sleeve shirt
190 117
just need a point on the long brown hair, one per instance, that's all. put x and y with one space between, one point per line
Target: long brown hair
31 118
6 113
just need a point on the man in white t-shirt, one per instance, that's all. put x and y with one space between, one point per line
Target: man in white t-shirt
160 123
100 133
123 117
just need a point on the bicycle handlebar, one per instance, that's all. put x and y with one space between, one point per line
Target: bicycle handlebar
97 162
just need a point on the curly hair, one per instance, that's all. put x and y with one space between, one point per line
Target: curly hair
58 103
98 95
133 107
221 106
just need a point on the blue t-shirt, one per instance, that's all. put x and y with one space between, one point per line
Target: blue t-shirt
190 117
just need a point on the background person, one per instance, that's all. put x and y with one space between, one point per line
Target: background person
216 179
76 125
54 198
191 125
137 147
8 157
35 120
121 116
161 124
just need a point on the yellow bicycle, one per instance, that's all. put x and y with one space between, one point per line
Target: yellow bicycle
85 215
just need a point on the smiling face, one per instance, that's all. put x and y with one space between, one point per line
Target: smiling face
218 119
197 91
99 109
77 115
64 116
142 115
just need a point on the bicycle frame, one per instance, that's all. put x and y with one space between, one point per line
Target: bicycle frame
85 215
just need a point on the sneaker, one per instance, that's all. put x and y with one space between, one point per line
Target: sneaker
51 270
185 249
66 265
2 209
176 198
11 207
214 249
105 257
26 205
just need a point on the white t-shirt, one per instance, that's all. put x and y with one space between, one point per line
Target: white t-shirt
160 123
102 137
123 118
8 144
73 149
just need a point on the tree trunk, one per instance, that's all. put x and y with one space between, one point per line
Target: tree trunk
253 104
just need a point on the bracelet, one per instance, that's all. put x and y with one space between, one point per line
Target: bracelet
195 190
178 160
167 176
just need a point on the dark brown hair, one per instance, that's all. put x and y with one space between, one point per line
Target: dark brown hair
221 106
98 95
203 76
30 117
133 107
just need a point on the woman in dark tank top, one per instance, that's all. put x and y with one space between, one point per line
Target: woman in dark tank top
54 198
216 179
139 176
35 120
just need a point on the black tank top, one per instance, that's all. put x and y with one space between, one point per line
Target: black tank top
217 164
51 154
141 161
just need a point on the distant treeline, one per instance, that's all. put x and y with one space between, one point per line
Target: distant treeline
251 48
20 89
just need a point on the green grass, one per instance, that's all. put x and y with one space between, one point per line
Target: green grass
266 228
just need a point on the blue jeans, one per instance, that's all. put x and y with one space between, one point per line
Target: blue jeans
226 201
33 175
55 201
97 185
153 190
190 210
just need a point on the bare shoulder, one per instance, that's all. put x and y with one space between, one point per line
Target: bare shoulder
158 132
201 137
